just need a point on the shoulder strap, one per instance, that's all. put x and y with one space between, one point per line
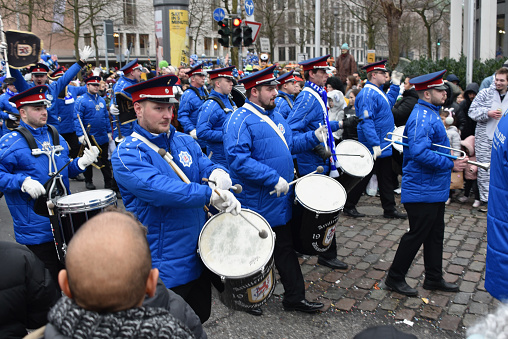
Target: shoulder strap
286 98
195 90
54 135
266 119
221 104
28 137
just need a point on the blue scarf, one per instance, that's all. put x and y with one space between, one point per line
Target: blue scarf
11 93
322 93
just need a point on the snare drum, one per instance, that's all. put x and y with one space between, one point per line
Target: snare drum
75 209
397 136
232 248
319 200
355 162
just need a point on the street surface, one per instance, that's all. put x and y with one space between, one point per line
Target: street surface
356 299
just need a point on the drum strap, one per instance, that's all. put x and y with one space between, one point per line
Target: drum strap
287 99
195 90
267 119
379 91
31 140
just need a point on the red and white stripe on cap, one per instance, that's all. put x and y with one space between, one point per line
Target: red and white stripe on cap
429 85
153 92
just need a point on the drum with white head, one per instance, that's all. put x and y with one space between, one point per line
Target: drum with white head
398 132
354 162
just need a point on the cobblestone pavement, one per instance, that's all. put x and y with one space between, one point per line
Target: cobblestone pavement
368 245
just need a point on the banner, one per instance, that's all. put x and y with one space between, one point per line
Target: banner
23 49
178 26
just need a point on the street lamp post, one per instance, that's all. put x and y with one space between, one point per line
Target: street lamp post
335 14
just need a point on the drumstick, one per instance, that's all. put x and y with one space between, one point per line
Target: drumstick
84 132
319 169
349 155
237 187
262 233
325 139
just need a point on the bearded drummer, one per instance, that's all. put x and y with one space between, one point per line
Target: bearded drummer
24 168
309 112
258 144
170 208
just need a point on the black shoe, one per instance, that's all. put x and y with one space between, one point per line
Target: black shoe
79 177
89 185
302 306
400 287
332 263
483 207
255 311
352 212
395 215
440 285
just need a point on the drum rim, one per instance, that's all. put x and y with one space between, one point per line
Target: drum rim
367 152
313 209
263 266
93 204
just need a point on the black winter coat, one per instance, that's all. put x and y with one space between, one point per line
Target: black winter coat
27 291
403 108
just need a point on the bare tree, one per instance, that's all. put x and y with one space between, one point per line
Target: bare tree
393 12
271 16
431 12
199 18
367 12
26 10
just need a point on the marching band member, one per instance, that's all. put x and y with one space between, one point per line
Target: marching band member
170 208
258 145
286 97
23 169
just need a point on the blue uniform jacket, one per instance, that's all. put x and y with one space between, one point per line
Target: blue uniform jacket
426 175
66 110
376 119
122 83
306 115
281 105
16 164
209 128
496 280
171 209
92 110
5 108
53 89
189 108
257 157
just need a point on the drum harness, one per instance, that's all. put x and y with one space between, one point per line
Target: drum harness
56 187
287 99
221 104
195 90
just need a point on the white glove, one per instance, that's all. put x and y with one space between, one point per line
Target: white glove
85 53
226 201
32 187
321 133
114 110
12 117
89 157
396 77
193 134
377 151
110 136
96 71
81 139
282 186
222 179
3 46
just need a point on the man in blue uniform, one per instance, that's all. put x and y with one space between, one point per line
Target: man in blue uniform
308 113
214 111
425 188
40 76
286 97
258 145
131 76
24 167
192 99
92 110
170 208
7 111
374 109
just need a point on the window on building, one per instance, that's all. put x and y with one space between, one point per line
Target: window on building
292 54
129 12
292 36
279 4
282 54
117 37
280 38
131 42
308 52
144 44
88 39
291 18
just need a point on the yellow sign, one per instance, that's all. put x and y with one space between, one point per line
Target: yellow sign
371 56
178 26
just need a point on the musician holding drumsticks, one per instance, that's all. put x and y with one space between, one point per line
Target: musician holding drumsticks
169 200
258 144
24 166
425 188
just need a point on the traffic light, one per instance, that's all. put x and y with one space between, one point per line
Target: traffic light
247 36
439 42
224 32
236 34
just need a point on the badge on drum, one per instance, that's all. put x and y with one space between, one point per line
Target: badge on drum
262 290
185 158
281 128
329 234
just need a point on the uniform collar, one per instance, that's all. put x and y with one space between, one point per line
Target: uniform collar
291 96
429 105
224 97
132 81
370 83
34 131
162 140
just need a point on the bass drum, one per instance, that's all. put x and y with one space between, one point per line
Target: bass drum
231 248
354 162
